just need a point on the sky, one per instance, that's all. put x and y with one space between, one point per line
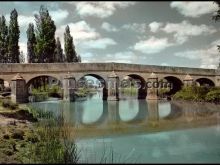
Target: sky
168 33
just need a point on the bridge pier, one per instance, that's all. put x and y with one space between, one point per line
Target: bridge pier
18 89
188 80
69 88
113 87
152 88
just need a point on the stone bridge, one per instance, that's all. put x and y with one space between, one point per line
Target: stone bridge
70 73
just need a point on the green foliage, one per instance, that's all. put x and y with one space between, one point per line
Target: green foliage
70 52
213 95
59 56
31 44
9 104
130 91
45 36
198 93
13 36
3 40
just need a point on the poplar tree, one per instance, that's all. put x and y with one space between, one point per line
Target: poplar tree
58 52
70 52
21 57
45 36
13 38
3 40
31 42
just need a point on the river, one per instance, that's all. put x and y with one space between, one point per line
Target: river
140 131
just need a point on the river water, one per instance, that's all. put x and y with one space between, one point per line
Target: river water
140 131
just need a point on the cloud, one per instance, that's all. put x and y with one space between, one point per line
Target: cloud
108 27
79 30
135 27
194 9
120 57
59 15
154 26
152 45
209 56
99 9
182 31
100 43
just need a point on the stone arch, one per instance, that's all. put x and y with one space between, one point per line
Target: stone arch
142 91
51 79
176 84
102 84
205 82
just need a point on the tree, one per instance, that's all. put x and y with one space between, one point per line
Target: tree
79 58
59 57
31 42
70 52
21 57
13 38
45 36
3 40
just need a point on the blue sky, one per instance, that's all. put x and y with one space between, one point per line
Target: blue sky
155 33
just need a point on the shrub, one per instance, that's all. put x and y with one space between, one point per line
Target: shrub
9 104
213 96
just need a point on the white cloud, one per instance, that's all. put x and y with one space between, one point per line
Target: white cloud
209 56
59 15
120 57
194 9
182 31
135 27
79 30
108 27
99 9
154 26
152 45
100 43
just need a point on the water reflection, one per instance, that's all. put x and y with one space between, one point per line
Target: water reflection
131 116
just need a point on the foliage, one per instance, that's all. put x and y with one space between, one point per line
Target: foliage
216 17
70 52
213 95
21 57
13 36
31 44
45 36
198 93
3 40
9 104
59 56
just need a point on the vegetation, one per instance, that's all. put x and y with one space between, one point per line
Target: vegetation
198 93
8 104
71 55
13 38
42 47
31 44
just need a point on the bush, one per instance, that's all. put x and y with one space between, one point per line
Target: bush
9 104
213 96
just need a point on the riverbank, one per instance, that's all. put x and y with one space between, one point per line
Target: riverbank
16 132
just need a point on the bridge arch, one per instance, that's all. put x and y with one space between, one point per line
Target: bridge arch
176 84
101 84
49 79
139 81
205 82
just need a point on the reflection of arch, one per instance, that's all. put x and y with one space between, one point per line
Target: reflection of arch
176 84
142 112
176 111
101 80
142 91
100 119
48 79
205 82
